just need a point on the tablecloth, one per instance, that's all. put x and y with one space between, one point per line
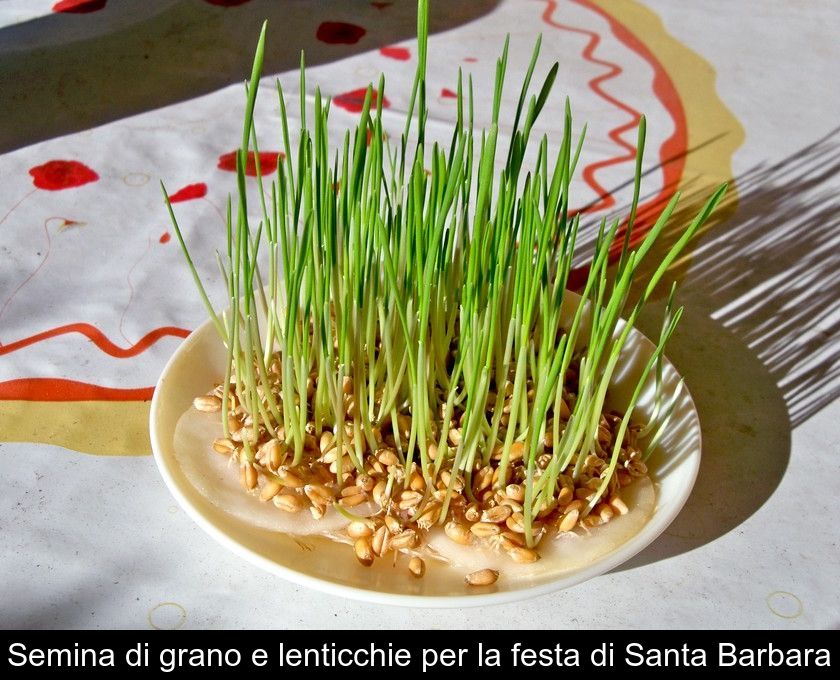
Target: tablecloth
103 99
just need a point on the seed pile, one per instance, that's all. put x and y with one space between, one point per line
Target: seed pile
401 507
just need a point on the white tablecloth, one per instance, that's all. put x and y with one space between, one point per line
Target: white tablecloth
103 99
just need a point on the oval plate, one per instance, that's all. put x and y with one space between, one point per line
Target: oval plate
329 567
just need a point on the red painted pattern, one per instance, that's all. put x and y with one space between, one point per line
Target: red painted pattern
339 33
671 153
98 338
613 71
268 162
398 53
446 93
190 192
165 237
78 6
58 175
354 100
60 389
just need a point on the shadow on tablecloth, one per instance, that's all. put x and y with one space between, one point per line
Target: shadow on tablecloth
63 73
759 343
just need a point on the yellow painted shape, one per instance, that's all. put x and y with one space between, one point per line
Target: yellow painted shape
103 428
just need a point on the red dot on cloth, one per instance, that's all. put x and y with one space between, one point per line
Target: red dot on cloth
164 237
471 60
268 162
78 6
339 33
354 100
226 3
398 53
447 93
190 192
57 175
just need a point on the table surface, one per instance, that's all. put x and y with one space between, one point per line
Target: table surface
102 101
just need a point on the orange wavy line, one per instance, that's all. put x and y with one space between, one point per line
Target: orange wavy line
615 70
98 338
59 389
672 151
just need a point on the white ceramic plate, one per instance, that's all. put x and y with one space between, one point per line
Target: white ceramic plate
330 567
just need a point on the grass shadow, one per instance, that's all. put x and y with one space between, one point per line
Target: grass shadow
758 344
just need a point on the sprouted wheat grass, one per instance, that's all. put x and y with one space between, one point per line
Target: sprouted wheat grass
402 352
